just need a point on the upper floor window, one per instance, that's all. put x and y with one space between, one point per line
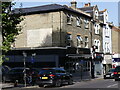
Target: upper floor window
79 21
106 32
79 40
86 23
97 43
69 36
96 14
97 28
107 47
69 39
86 42
69 18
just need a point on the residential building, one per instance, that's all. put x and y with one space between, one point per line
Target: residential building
96 36
58 35
107 40
115 46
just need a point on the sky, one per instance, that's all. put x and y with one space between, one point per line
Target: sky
110 5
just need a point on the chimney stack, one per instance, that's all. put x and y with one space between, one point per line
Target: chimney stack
74 4
87 5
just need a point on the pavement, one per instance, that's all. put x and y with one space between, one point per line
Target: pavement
75 79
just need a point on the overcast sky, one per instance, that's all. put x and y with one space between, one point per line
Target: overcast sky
110 5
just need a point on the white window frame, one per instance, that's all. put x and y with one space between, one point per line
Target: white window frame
97 28
86 23
96 14
79 40
78 21
86 42
69 18
97 43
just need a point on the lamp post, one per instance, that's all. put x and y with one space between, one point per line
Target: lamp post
25 55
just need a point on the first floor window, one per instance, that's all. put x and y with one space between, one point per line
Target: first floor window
86 42
79 40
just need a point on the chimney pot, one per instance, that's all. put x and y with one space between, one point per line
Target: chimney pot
74 4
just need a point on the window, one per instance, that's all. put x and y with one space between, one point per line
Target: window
97 28
86 22
86 42
97 43
107 50
69 39
69 19
79 40
107 31
79 21
96 14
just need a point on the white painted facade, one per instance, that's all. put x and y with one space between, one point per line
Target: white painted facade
107 40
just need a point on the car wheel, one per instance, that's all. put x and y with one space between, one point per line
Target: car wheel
58 83
40 85
104 77
116 79
70 82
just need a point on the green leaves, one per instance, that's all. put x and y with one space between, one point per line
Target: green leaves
10 27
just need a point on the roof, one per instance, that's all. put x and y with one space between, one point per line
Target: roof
87 8
46 8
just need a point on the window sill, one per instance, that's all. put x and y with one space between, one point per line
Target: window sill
68 23
78 26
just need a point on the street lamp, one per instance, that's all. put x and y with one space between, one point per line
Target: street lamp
25 55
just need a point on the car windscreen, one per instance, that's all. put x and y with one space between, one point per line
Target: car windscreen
17 70
49 71
111 70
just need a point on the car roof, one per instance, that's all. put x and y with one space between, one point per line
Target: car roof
20 68
53 68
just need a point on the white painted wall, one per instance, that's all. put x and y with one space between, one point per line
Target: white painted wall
39 37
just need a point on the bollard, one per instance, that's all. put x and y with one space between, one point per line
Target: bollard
16 83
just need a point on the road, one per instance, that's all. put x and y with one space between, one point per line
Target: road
99 84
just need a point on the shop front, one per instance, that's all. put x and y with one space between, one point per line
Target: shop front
98 66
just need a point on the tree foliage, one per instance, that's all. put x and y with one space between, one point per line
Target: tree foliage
10 25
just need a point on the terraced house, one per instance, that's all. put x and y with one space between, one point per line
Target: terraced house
60 36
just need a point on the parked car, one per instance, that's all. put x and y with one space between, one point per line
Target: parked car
18 74
109 74
117 73
5 69
53 77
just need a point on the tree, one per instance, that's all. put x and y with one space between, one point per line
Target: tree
10 25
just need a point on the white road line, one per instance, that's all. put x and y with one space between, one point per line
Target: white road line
112 85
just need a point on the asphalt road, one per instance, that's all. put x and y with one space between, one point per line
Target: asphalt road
99 84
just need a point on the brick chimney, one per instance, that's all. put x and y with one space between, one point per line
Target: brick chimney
87 5
74 4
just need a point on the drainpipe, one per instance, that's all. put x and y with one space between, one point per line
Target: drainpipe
60 29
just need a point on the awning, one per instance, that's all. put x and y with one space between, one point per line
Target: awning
79 55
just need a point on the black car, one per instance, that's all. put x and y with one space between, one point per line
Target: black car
117 73
53 77
109 74
18 73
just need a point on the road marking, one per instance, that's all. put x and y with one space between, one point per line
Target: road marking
112 85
